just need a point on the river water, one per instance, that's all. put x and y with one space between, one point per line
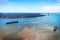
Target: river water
43 26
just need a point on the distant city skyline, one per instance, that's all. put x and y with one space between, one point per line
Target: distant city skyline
43 6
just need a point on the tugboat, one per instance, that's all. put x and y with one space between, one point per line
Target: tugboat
55 28
12 22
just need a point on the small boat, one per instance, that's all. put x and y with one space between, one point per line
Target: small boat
55 28
12 22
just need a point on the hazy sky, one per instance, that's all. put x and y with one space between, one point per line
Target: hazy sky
29 5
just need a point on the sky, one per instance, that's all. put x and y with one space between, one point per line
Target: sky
43 6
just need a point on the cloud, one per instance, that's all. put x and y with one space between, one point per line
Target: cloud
13 9
50 9
45 9
3 1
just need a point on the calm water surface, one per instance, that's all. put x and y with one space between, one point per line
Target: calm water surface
43 26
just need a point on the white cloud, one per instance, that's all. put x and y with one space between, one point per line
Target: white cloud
47 9
13 9
50 9
24 9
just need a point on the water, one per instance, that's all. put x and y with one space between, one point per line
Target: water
43 26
